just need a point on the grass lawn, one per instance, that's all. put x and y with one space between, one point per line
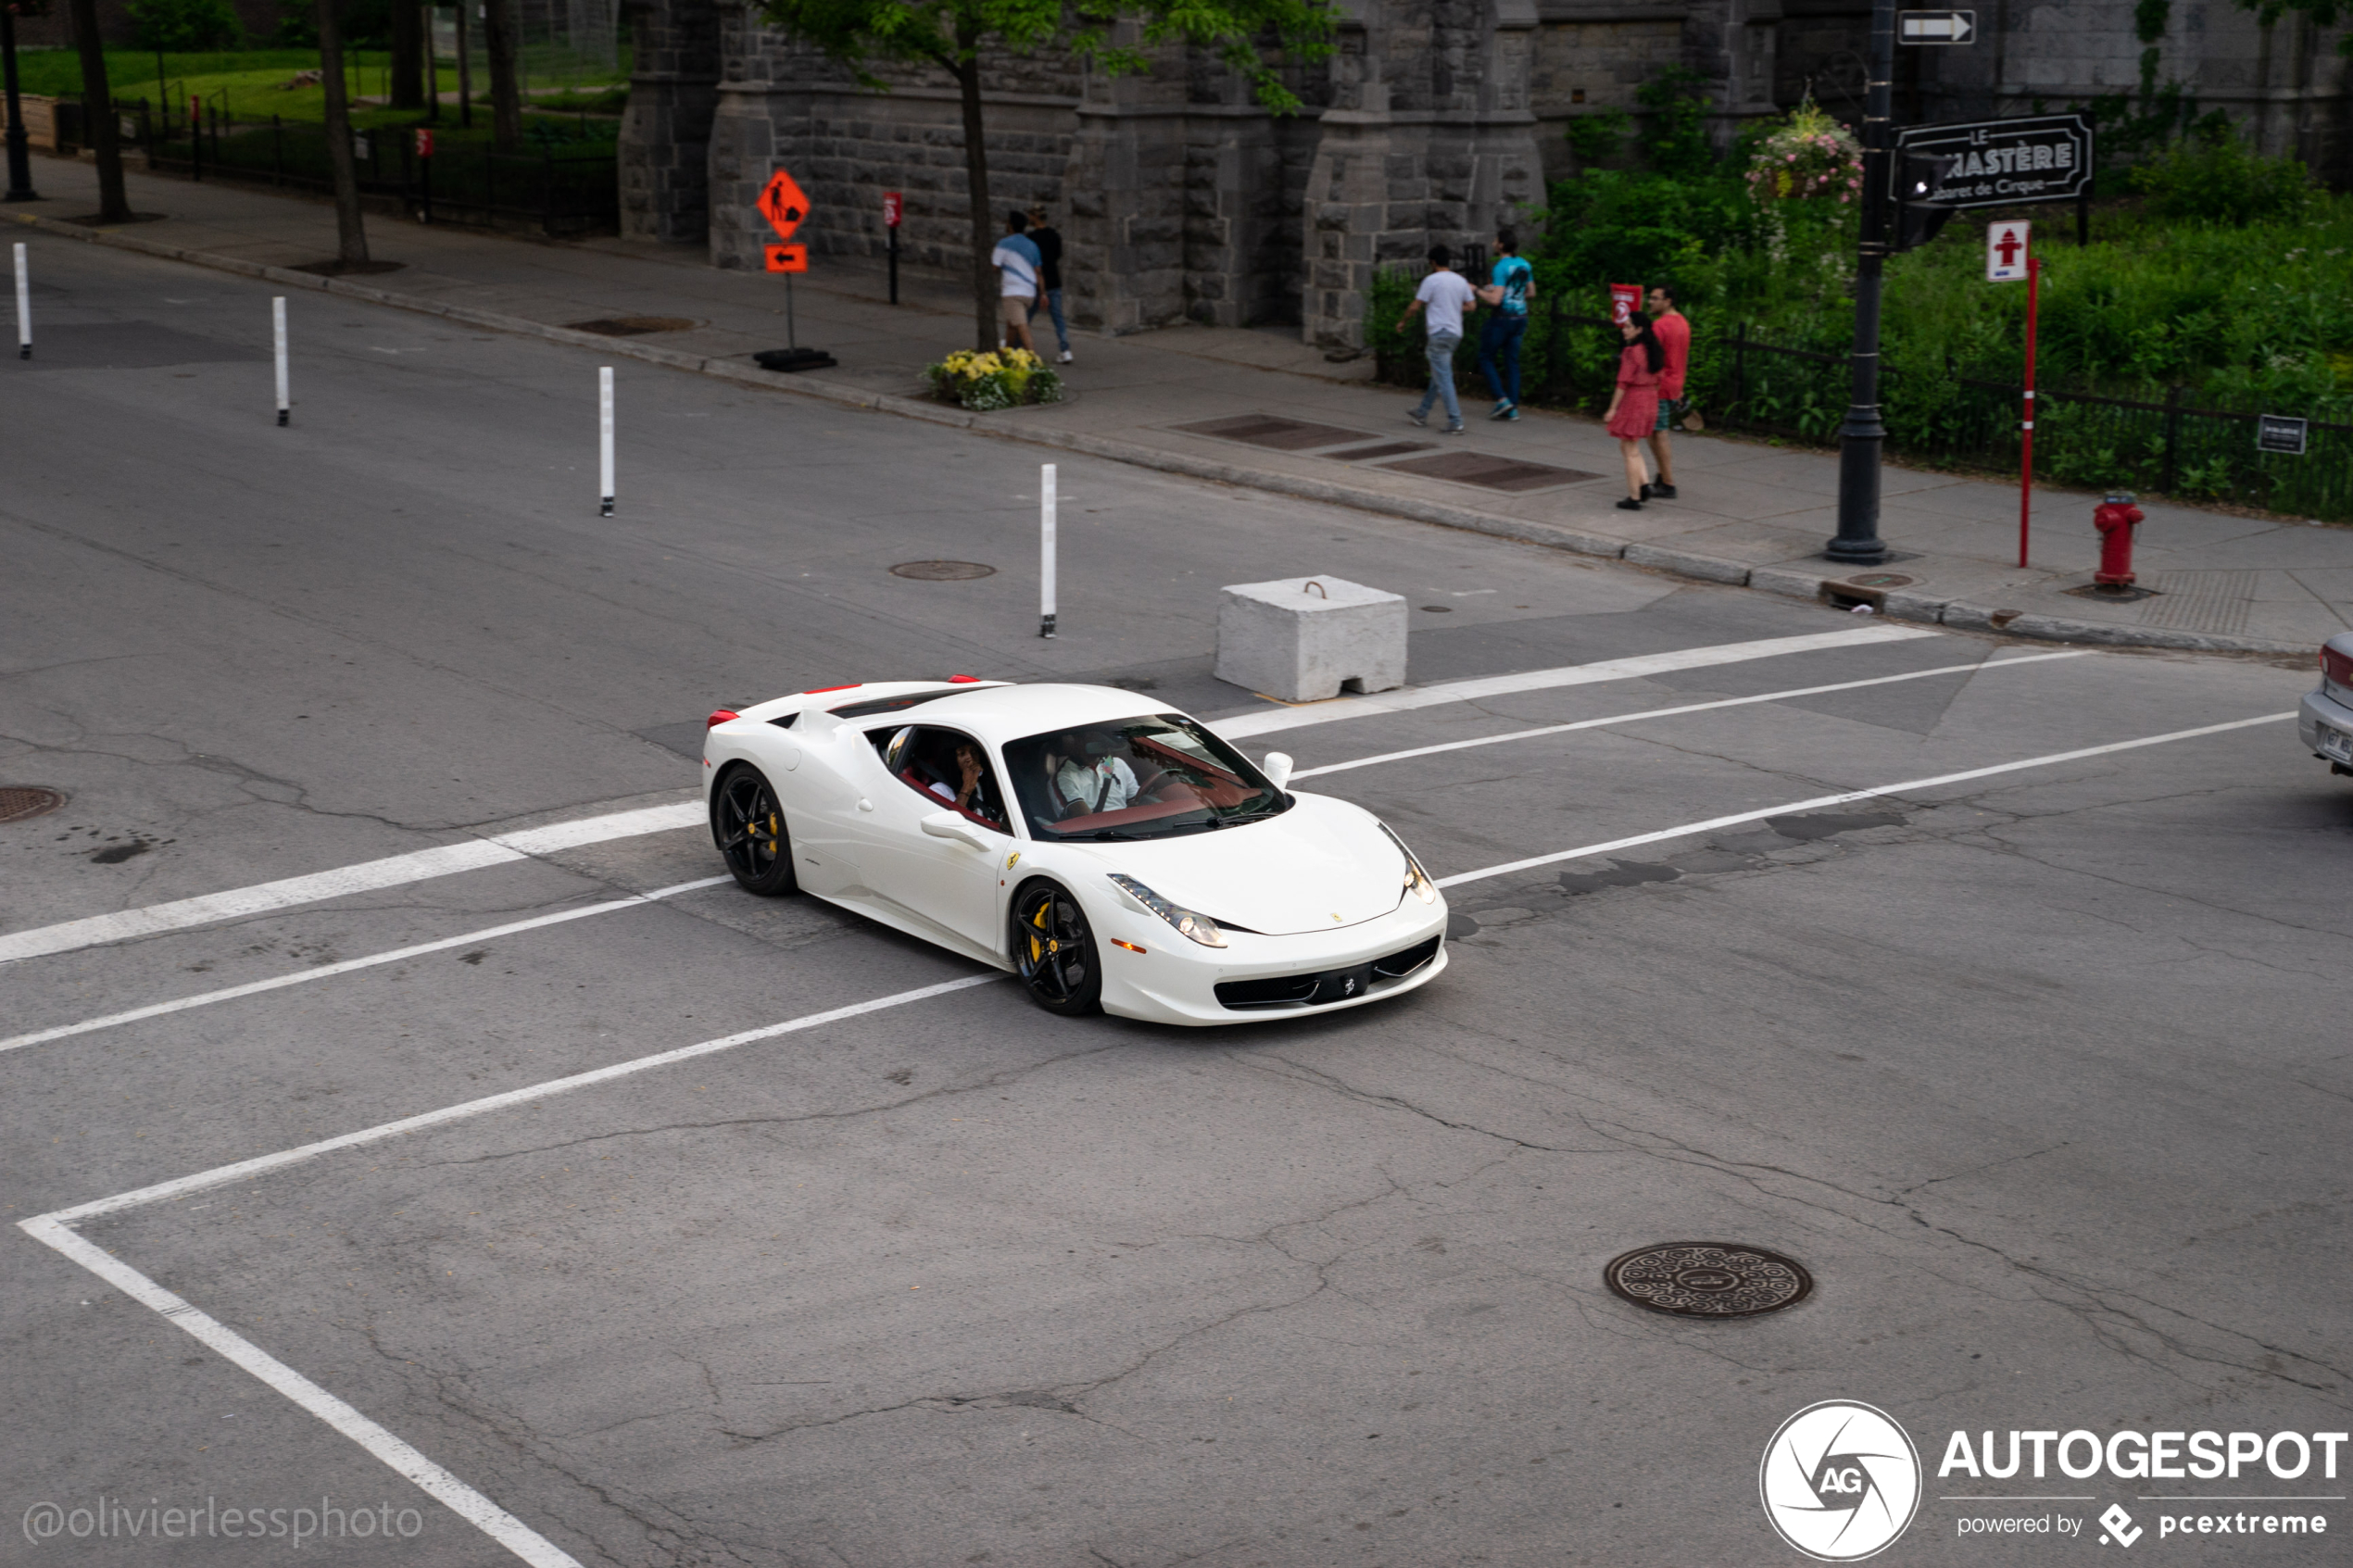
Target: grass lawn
251 84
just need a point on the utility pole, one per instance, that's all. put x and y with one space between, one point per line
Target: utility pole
1863 435
19 161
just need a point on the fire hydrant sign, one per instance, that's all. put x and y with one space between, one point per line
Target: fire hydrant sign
2006 252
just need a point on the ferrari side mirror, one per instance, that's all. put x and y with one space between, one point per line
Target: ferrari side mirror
947 824
1277 766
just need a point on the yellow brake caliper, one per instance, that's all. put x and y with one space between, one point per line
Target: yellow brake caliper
1038 920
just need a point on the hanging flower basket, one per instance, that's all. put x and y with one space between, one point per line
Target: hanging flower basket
1808 157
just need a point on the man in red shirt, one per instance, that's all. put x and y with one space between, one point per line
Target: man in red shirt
1674 333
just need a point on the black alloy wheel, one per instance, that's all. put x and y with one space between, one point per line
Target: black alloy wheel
1054 951
748 824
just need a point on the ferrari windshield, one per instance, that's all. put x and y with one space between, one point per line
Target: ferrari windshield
1135 778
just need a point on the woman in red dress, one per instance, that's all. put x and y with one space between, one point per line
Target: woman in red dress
1633 407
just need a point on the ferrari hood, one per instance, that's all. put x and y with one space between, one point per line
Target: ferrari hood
1320 866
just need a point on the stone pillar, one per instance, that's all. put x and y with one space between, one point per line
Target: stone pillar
1124 265
1430 139
665 131
745 140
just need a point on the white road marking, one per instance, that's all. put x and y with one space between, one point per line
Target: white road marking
366 876
55 1230
422 865
1821 800
244 1169
461 1499
158 1009
1671 712
1412 698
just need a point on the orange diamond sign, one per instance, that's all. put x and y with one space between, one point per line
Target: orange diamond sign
784 203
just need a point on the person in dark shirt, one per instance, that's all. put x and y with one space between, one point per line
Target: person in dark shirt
1049 245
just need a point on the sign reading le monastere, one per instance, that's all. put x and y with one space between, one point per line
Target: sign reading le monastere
2001 162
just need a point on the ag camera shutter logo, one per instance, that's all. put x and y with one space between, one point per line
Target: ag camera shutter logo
1840 1481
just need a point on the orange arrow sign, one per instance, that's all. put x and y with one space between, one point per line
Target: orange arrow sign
783 203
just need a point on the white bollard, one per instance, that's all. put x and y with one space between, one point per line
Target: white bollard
1046 550
24 306
604 438
278 336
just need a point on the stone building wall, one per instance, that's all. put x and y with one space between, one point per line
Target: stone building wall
1433 121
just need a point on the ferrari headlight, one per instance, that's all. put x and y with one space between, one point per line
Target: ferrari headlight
1417 880
1200 927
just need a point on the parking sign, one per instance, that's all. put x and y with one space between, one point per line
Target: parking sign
2006 252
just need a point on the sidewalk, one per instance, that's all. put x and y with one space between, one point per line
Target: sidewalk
1261 409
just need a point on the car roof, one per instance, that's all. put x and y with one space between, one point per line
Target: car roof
1009 712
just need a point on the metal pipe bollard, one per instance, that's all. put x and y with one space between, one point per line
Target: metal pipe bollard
2116 518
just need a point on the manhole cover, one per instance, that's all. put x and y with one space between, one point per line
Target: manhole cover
1881 580
634 326
18 802
1275 433
1709 1279
1489 471
942 571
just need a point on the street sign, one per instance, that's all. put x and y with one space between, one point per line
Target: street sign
2006 252
1624 300
1936 27
784 204
788 258
425 142
893 209
2002 162
2279 433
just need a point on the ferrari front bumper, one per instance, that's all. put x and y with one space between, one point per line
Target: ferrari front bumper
1176 980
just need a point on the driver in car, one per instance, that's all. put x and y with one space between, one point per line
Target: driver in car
1088 775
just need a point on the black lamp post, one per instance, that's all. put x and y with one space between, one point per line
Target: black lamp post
1862 436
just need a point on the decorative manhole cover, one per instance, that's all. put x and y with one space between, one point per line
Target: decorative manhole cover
942 571
1881 580
634 326
1709 1279
18 802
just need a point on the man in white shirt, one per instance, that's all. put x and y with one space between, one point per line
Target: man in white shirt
1445 295
1017 263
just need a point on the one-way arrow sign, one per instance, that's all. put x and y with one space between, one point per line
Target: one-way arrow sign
1936 27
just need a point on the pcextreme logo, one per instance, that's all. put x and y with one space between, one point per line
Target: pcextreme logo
1840 1481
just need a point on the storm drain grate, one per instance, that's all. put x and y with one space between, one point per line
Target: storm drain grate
942 571
633 326
1709 1279
19 802
1282 435
1489 472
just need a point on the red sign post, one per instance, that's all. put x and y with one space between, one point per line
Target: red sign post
2009 255
894 209
1624 299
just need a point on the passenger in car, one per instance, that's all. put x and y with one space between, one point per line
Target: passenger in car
975 791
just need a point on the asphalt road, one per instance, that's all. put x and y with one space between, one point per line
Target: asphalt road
2044 1074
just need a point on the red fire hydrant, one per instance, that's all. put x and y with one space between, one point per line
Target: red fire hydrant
2114 517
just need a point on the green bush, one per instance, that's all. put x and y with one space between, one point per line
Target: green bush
2220 179
186 24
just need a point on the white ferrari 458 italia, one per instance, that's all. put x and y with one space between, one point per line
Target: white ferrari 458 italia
1109 852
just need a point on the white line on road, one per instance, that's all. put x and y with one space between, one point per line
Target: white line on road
365 877
54 1230
158 1009
1567 675
461 1499
422 865
1671 712
1821 800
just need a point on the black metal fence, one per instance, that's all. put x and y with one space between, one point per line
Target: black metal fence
558 189
1743 380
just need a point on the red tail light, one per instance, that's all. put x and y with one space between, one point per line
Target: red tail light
718 717
2336 668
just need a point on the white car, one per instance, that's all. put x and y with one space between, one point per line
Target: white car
2324 719
1109 852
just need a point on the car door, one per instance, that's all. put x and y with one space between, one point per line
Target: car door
947 883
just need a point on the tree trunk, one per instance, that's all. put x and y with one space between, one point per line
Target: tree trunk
502 28
98 114
351 232
408 53
988 314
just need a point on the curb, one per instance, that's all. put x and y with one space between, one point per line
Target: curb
1794 583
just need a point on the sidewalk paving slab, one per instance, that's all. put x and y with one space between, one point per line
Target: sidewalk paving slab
1747 513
